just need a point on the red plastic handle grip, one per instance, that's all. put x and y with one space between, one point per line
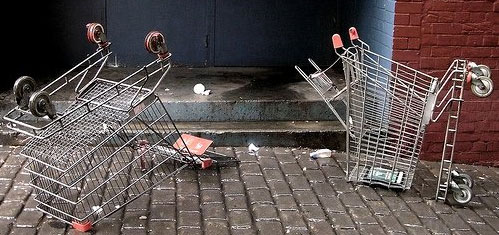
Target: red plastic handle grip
353 33
337 43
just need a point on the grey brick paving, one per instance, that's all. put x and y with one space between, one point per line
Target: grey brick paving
277 191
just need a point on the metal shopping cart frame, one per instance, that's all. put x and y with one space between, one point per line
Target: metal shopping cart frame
388 108
113 143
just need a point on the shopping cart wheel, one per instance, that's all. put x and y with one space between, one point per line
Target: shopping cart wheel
23 87
95 34
464 179
485 70
463 194
40 105
482 87
155 43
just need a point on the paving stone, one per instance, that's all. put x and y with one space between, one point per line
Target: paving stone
189 219
209 182
341 185
264 212
211 211
342 221
306 162
323 189
268 163
131 220
285 158
235 202
269 227
466 232
22 231
233 188
292 219
407 218
454 222
187 175
395 204
493 221
315 176
189 203
351 200
279 188
378 207
189 231
321 228
491 202
229 174
162 213
52 226
367 193
243 231
162 196
439 207
417 230
298 182
245 157
332 205
285 202
391 224
240 218
259 196
347 231
105 227
162 227
5 227
305 198
141 203
483 229
362 216
250 169
297 231
435 226
254 182
216 227
29 219
422 210
333 172
313 213
10 209
291 169
186 188
371 229
273 175
141 231
383 192
468 215
211 196
9 172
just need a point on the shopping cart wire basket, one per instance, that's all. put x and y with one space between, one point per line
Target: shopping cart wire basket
388 106
112 144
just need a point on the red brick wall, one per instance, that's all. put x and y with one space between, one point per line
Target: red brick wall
429 35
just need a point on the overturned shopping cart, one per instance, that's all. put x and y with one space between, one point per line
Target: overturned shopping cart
388 106
112 144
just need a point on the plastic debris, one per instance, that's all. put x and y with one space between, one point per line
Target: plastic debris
252 148
97 209
143 217
200 89
321 153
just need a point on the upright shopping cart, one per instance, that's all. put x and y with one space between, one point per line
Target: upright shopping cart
112 144
388 106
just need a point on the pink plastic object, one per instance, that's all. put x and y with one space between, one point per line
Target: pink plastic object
337 43
353 33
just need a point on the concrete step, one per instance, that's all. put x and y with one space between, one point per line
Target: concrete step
312 134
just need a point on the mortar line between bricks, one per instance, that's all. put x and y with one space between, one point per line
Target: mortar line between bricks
451 207
175 192
222 189
148 210
320 203
292 192
201 225
246 195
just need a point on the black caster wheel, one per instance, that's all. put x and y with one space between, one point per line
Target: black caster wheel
155 43
462 195
40 105
23 87
96 34
482 88
464 179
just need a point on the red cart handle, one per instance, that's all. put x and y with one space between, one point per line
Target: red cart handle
353 33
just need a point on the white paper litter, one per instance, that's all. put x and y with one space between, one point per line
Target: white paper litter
321 153
252 148
200 89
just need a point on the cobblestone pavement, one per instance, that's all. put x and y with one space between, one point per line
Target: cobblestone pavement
280 191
